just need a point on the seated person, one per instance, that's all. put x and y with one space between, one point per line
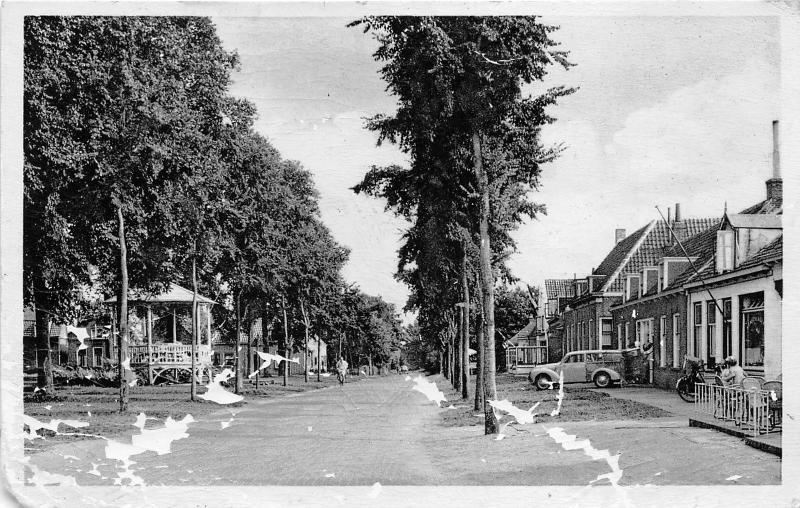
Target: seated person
734 374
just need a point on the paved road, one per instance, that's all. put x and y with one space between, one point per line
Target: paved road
380 430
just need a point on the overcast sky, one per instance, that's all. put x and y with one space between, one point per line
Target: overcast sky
669 110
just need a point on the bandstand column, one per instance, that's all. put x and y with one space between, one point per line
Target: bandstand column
150 344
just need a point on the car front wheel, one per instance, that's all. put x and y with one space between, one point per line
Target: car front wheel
543 382
602 380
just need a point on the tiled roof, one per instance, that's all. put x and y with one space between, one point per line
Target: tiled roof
559 288
701 244
771 250
766 206
654 245
617 255
526 332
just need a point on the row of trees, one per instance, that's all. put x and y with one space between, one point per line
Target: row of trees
473 140
141 170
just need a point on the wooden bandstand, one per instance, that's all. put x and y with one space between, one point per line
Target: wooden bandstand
168 351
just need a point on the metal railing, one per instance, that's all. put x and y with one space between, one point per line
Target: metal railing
748 409
169 354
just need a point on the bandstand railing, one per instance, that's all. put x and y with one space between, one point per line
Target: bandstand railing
169 354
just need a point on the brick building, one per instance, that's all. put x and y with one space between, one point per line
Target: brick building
587 320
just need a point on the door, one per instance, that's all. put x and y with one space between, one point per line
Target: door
574 368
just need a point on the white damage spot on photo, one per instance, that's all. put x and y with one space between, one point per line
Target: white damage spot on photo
267 359
560 396
216 393
429 389
34 425
569 442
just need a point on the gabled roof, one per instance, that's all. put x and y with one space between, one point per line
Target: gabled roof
620 251
758 221
701 245
654 240
559 288
175 294
525 333
766 206
772 250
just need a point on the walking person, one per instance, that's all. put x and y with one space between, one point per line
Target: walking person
341 369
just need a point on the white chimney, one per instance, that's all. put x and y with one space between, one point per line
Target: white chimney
775 184
619 235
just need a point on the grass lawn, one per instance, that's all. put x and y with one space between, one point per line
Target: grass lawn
100 407
579 404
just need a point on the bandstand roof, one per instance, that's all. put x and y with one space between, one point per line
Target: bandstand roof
175 294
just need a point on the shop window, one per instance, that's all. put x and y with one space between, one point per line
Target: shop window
752 329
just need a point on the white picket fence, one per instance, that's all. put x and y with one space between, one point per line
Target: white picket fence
748 409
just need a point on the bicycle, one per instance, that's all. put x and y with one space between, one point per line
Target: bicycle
686 383
340 375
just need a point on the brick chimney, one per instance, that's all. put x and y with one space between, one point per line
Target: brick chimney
678 226
775 184
619 235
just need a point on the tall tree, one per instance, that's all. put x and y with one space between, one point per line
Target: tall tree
118 108
459 85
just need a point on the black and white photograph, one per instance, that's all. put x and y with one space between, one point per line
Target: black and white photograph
398 254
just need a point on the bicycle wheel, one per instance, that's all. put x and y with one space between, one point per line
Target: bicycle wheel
686 390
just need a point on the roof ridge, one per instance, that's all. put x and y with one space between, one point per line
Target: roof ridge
636 246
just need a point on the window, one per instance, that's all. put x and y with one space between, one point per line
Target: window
619 335
605 340
711 332
82 358
727 336
575 358
662 343
644 331
676 340
627 334
752 323
724 250
97 354
632 287
697 316
590 331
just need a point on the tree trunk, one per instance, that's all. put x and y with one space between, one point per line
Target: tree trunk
286 345
43 353
455 331
239 387
194 324
465 332
306 325
441 362
481 342
487 284
122 344
319 358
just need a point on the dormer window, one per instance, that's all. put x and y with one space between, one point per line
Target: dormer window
724 250
632 287
649 277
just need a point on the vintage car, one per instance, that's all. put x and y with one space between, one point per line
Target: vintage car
603 367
